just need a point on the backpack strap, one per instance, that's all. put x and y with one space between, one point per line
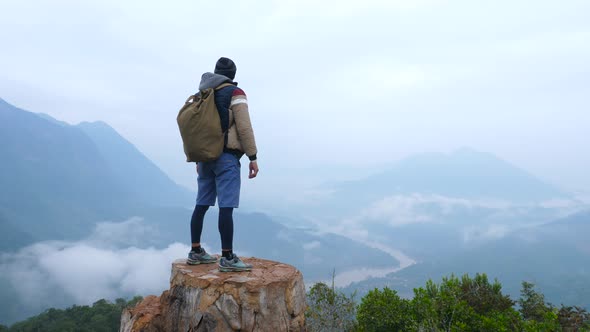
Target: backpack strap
223 114
223 86
196 95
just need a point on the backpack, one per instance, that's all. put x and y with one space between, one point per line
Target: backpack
200 126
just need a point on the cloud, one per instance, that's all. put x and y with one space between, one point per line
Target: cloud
59 273
130 233
399 210
483 233
311 245
472 219
584 198
559 203
285 236
402 210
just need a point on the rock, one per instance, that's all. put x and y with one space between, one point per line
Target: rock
271 297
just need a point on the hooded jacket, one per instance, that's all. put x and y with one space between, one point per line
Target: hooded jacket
232 105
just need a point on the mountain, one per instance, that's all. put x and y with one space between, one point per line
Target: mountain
11 236
555 256
58 180
436 203
465 212
132 169
464 173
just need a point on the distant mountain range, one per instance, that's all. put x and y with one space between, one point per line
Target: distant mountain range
58 179
554 256
464 173
437 203
465 212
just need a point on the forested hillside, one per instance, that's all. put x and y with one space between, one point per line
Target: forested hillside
455 304
102 316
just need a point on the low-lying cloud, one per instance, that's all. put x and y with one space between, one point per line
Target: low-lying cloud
58 273
473 220
483 233
403 210
399 210
131 233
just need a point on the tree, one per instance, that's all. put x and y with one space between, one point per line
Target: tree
103 316
484 297
329 310
532 304
573 318
548 323
384 311
440 307
464 304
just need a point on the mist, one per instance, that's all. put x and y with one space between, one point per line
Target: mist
103 266
507 78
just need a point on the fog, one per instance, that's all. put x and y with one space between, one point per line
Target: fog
330 85
337 90
102 266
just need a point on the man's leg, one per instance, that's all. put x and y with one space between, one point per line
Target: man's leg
227 182
229 262
197 226
198 255
226 230
228 189
206 196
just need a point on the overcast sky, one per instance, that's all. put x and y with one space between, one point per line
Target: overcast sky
330 83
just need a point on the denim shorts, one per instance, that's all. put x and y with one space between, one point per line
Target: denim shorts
219 179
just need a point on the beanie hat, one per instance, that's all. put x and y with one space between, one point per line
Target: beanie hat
225 67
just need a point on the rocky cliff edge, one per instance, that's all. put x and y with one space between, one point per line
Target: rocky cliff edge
271 297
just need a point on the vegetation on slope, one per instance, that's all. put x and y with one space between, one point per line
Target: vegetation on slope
102 316
456 304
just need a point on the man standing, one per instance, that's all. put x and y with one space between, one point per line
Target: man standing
221 178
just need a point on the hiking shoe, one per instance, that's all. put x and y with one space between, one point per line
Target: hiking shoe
234 264
203 257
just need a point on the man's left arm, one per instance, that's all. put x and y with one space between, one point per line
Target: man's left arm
239 106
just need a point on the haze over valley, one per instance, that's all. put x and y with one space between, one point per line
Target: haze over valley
84 209
398 141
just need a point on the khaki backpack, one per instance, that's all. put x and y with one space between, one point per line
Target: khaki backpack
200 127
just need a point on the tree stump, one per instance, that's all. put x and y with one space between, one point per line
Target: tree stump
271 297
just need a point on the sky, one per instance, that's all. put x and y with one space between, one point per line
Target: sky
334 86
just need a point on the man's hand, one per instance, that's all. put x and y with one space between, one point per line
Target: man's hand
253 169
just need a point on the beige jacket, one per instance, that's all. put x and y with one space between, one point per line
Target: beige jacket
240 134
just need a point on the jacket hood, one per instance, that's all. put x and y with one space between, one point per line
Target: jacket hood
211 80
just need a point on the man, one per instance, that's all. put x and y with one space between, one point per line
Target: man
221 178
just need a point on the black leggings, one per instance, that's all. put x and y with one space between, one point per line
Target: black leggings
225 225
